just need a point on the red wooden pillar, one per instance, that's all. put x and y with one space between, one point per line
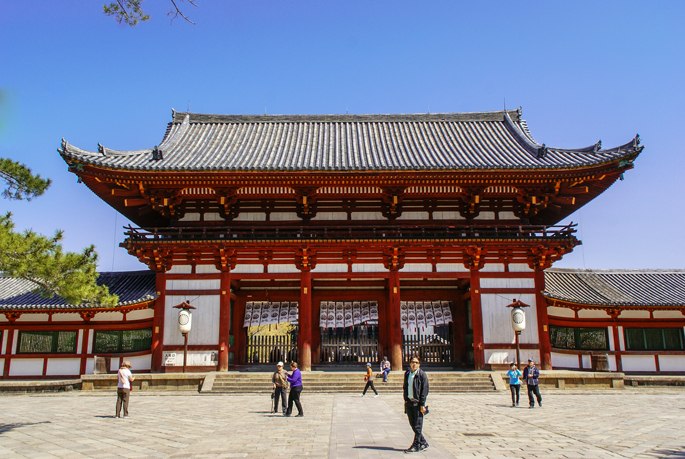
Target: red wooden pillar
477 320
238 329
316 331
304 335
543 321
460 325
158 323
224 319
383 328
84 349
393 318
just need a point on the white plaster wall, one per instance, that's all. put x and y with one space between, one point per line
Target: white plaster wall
587 361
414 216
610 332
489 282
284 216
114 364
500 355
638 363
672 362
246 269
63 367
667 315
213 217
519 268
141 314
330 268
108 316
79 341
141 362
559 312
180 269
90 366
89 341
447 216
283 269
367 216
67 317
485 216
330 216
634 315
507 216
493 268
251 217
592 314
564 360
497 319
451 268
2 364
621 339
417 268
612 363
3 318
193 284
33 318
205 321
368 268
206 269
190 217
3 349
26 367
15 342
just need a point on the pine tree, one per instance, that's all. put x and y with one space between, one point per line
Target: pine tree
40 259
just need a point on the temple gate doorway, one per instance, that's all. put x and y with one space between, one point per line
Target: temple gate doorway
349 332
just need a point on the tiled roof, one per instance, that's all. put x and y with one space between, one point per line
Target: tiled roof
451 141
131 287
616 287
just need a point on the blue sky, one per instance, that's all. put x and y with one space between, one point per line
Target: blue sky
582 71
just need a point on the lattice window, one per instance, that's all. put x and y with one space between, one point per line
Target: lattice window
654 339
579 338
123 340
47 342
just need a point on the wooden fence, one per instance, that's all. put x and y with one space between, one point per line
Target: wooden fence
429 348
271 349
349 348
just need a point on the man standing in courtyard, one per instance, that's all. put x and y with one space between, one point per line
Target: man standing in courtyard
530 376
415 394
279 381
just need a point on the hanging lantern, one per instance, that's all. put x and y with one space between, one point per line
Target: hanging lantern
518 317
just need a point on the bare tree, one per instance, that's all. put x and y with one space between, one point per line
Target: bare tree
131 12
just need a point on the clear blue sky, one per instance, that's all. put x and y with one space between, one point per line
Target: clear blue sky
582 71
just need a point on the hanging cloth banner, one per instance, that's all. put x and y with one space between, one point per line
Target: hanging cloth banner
425 313
267 313
347 314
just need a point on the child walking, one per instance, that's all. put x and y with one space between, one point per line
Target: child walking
369 381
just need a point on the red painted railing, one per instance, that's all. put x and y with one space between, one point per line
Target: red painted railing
290 232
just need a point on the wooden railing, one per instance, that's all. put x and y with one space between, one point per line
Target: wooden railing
349 348
429 348
271 349
277 233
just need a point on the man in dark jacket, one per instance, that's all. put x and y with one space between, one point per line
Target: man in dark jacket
530 376
415 393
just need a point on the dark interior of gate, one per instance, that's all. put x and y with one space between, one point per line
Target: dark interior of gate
354 324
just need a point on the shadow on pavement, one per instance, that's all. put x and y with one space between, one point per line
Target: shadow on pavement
7 427
382 448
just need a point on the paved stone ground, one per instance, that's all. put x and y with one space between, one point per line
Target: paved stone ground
637 423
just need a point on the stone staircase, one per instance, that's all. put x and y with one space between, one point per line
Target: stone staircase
352 382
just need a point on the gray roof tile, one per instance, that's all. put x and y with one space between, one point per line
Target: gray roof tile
131 287
449 141
616 287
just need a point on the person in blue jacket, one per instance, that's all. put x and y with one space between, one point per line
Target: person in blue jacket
514 384
530 376
295 380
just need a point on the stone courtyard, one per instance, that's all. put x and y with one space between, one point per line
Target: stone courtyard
630 423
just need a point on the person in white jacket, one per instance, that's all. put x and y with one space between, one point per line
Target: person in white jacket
125 378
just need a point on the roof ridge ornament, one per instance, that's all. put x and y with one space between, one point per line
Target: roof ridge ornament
542 151
157 154
598 146
636 141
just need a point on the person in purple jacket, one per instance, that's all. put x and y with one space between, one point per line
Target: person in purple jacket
530 376
295 380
